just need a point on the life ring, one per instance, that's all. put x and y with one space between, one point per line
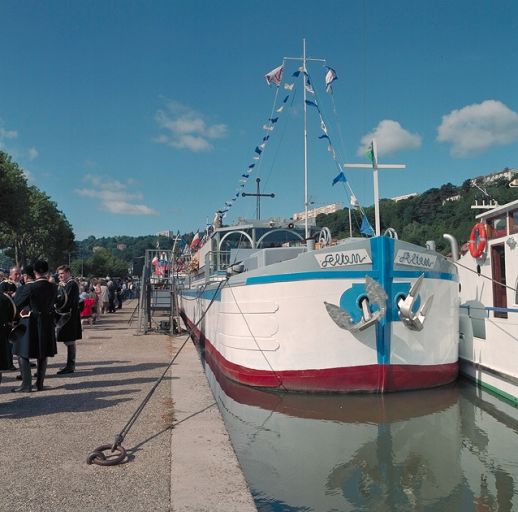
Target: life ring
478 240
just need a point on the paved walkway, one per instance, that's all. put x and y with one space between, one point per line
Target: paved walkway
45 437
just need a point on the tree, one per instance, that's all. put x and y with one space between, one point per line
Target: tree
43 231
13 198
101 263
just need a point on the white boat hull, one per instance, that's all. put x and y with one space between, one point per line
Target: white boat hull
270 327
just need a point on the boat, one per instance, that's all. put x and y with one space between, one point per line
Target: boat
488 276
278 304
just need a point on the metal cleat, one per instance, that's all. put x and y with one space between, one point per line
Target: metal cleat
414 321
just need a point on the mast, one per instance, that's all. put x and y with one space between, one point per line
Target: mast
305 59
306 229
374 165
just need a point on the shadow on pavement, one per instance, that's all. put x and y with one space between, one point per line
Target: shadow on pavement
29 405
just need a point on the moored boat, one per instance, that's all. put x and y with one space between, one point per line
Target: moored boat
488 274
277 305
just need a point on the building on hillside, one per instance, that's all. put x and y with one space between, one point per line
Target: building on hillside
312 214
507 173
167 233
406 196
121 247
452 199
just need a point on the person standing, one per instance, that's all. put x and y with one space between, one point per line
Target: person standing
35 337
70 331
7 316
15 275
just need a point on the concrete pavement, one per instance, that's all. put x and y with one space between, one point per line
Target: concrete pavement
46 436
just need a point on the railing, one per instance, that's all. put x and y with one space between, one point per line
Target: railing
216 264
487 309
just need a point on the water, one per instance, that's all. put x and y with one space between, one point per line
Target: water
449 449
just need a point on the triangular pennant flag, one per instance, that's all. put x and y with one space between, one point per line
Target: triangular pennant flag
311 103
275 76
323 126
366 228
324 136
280 109
245 175
308 87
370 153
251 166
330 78
258 150
340 178
267 127
296 74
273 120
289 87
286 99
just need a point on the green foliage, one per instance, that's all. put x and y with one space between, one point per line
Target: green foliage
31 226
427 216
100 264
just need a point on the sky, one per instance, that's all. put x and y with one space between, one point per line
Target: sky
137 117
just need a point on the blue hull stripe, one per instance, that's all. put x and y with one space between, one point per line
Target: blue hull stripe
347 274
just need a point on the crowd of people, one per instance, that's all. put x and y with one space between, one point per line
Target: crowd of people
38 309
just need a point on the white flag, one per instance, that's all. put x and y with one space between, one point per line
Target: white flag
275 76
330 78
289 87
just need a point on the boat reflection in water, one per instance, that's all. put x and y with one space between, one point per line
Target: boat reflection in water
452 448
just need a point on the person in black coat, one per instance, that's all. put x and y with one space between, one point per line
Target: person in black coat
69 325
7 316
34 336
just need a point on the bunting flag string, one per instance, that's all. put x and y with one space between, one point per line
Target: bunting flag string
276 77
330 77
273 77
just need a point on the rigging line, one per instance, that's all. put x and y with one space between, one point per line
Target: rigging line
255 341
120 437
339 167
280 140
480 275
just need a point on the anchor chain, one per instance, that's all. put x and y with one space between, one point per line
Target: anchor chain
97 456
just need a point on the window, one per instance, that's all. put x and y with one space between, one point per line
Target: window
513 221
497 227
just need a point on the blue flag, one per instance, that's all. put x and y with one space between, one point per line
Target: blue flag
366 228
340 177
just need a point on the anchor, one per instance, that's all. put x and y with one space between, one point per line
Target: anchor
414 321
375 296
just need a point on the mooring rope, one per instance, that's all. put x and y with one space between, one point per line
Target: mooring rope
118 452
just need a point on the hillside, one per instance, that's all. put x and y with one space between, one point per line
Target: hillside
426 216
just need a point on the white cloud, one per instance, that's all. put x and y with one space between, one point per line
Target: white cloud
33 153
477 127
185 128
8 134
390 137
114 196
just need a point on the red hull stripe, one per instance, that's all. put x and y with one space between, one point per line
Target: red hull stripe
367 378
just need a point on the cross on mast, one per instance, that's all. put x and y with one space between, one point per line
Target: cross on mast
258 195
375 166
